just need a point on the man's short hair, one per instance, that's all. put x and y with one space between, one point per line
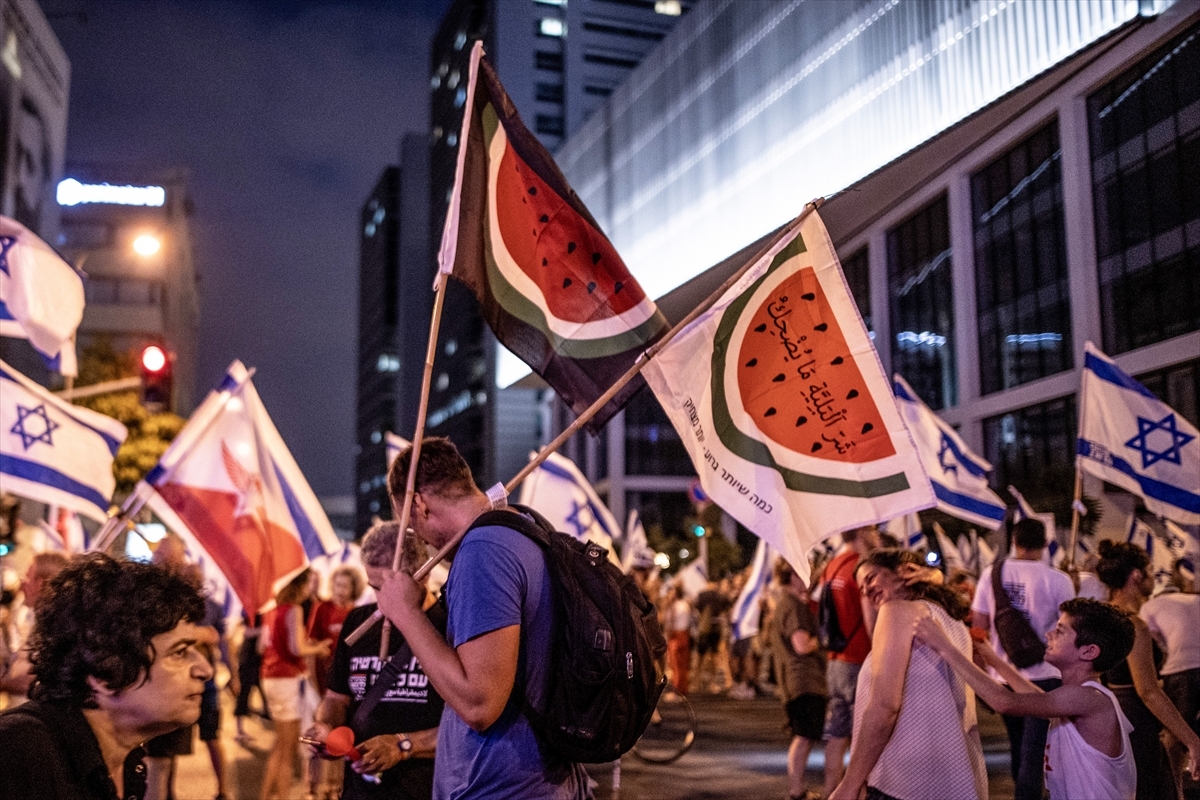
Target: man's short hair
379 545
441 470
1029 534
1100 624
97 618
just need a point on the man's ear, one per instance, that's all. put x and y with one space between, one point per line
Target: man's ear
1089 652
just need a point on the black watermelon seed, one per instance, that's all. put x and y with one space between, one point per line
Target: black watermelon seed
591 286
544 262
618 287
868 427
778 378
816 446
770 412
570 247
595 258
808 296
535 231
566 282
544 218
533 190
822 327
523 200
752 362
853 394
761 328
800 421
837 361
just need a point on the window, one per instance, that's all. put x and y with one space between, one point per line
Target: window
615 29
598 91
552 62
548 92
610 60
652 447
858 277
549 26
921 294
549 125
1145 149
122 291
1178 387
1031 445
1021 291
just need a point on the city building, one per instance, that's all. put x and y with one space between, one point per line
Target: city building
35 82
129 231
559 62
1006 181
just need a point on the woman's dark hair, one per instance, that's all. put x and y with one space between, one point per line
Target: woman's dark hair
97 618
890 558
1103 625
293 592
1118 560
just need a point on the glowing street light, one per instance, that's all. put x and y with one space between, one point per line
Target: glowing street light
147 244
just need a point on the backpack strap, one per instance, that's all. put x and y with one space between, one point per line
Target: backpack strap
1001 597
525 521
383 682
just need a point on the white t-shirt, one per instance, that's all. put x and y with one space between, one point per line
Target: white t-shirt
1173 618
1091 587
1076 769
1037 591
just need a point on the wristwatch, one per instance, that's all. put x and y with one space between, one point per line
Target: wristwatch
405 744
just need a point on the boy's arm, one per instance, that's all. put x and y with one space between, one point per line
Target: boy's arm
1015 680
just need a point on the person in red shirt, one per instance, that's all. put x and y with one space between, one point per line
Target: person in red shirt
347 585
842 669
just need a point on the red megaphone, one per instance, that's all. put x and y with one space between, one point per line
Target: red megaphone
340 742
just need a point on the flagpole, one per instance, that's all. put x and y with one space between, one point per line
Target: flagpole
138 498
410 484
1075 503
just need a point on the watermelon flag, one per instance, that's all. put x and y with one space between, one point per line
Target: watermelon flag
780 399
232 491
548 281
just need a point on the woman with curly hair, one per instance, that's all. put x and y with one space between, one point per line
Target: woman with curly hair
915 732
1125 569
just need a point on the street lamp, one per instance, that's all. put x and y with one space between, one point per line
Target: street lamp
147 244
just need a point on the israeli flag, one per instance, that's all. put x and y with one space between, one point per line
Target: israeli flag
747 610
41 296
1162 562
636 550
560 493
1129 437
395 446
1051 555
1184 547
959 476
54 452
908 530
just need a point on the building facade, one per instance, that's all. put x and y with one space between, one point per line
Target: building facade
1007 181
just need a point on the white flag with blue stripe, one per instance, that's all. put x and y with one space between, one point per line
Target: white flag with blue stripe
1129 437
41 296
959 476
1162 562
635 550
746 616
1051 555
561 494
394 445
1184 547
54 452
907 529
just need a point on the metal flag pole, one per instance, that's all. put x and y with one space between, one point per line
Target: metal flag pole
604 399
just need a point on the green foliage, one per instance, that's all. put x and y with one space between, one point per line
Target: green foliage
724 556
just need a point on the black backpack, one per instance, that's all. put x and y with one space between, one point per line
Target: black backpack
1020 641
604 677
829 628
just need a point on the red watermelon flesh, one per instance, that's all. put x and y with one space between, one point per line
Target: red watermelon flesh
578 271
797 379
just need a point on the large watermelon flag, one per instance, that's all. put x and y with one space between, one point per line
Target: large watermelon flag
548 281
228 485
780 399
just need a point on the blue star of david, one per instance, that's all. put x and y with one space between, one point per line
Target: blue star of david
575 518
6 243
1151 456
28 437
947 449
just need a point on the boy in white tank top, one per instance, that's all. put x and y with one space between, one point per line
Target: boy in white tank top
1087 749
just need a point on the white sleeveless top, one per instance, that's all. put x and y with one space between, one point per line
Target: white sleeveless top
935 750
1076 769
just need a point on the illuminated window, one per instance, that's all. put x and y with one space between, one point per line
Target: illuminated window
549 26
1021 287
670 8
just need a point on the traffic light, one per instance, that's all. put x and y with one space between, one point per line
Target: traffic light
156 378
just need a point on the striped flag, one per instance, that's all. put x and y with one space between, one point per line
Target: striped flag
747 610
907 529
561 494
1023 510
1184 547
635 550
1162 561
395 446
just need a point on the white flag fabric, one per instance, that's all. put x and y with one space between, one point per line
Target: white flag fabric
41 296
959 476
636 550
395 446
907 528
228 485
54 452
1162 562
693 578
560 493
1129 437
951 555
780 400
747 610
1051 555
1184 547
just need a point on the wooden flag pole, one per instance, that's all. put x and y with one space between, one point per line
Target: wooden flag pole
1075 503
404 510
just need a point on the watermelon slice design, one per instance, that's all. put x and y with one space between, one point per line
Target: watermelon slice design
552 268
798 384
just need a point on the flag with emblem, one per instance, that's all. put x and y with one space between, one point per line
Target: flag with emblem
1184 547
54 452
779 398
228 485
559 492
1130 438
746 616
1157 546
41 296
548 281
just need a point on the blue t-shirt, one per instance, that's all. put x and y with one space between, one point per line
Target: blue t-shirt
498 579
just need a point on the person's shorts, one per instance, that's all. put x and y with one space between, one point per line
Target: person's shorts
806 715
176 743
842 679
283 697
709 642
1183 688
210 713
741 648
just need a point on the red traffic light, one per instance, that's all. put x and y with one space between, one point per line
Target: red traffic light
156 378
154 359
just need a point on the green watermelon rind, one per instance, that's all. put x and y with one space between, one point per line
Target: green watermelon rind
754 450
517 304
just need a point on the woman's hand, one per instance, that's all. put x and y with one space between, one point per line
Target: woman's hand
915 573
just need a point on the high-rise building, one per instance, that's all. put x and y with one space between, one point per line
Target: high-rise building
129 230
559 62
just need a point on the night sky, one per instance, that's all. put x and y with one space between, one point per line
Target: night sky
285 114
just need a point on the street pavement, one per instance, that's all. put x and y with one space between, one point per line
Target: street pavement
740 752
